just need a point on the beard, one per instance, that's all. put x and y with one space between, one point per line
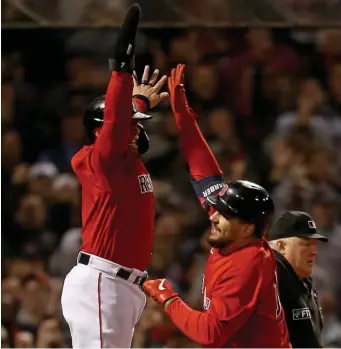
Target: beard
133 144
218 243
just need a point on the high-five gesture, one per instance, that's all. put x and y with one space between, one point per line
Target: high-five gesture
150 87
177 91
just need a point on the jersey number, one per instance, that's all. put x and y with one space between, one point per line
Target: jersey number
278 301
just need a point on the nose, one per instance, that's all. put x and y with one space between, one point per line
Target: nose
213 216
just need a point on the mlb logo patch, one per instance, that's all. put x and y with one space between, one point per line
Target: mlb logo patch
301 314
312 224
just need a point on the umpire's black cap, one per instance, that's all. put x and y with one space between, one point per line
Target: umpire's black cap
294 224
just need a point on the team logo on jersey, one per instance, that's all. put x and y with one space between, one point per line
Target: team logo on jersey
146 184
301 314
207 301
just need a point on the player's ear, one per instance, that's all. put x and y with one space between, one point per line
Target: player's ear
96 131
249 229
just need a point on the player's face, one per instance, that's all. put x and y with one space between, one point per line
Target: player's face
223 231
301 254
134 131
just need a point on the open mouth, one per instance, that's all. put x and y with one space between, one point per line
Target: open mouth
134 140
214 231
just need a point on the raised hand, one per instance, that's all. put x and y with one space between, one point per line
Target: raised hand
177 90
122 58
150 87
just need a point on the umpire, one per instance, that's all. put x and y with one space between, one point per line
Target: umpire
294 239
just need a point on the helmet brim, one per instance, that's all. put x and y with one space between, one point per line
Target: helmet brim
220 205
141 116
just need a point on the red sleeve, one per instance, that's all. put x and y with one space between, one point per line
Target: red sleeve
141 105
233 300
198 154
207 177
115 133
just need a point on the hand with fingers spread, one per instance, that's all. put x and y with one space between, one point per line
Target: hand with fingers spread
177 91
149 88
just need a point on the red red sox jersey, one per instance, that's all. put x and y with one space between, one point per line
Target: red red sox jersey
240 301
117 191
239 288
241 308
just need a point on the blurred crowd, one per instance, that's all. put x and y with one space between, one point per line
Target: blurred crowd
269 104
173 12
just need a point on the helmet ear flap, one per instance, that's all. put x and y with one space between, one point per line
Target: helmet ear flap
91 136
90 125
93 117
143 141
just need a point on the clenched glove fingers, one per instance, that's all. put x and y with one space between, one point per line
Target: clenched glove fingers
160 290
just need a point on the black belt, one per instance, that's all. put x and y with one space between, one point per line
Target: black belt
122 273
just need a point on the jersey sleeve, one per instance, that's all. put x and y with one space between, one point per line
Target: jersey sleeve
207 186
206 175
233 301
115 134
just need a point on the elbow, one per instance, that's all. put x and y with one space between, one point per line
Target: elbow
212 336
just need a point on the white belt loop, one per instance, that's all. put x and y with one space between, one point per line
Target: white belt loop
132 276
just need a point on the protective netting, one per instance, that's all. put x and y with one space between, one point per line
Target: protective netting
173 13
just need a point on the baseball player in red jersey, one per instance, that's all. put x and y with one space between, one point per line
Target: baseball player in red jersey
241 306
102 299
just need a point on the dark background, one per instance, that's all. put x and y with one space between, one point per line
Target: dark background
268 102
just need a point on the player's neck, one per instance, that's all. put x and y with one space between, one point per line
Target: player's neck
237 244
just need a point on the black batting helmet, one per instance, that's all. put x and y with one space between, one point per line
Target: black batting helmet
93 118
245 200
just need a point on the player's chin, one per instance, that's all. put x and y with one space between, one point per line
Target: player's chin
216 241
133 146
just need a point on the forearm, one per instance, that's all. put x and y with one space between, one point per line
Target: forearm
198 154
115 133
198 326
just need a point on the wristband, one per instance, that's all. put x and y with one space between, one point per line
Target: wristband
144 99
169 301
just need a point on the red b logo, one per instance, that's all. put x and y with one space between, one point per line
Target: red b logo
223 190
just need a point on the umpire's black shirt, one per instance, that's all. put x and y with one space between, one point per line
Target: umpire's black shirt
301 306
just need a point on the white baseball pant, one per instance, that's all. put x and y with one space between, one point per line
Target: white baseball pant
101 308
